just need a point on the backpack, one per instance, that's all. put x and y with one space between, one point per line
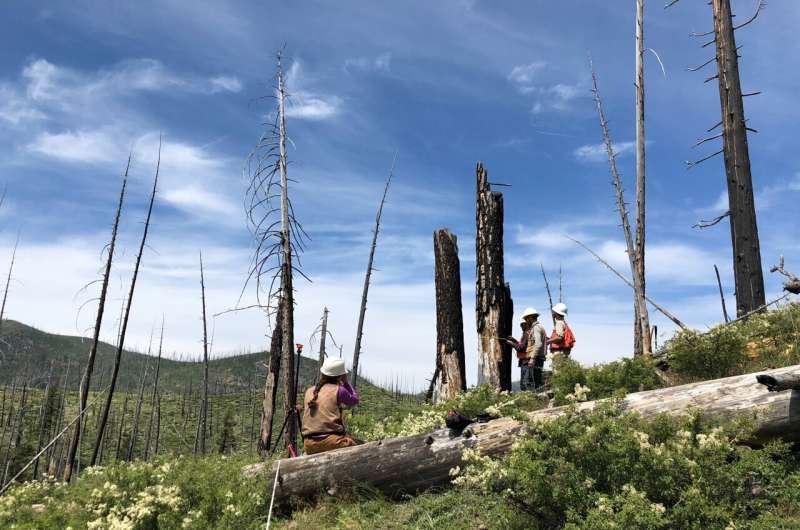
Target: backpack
569 337
566 343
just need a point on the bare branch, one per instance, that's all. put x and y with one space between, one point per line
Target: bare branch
690 164
760 4
663 311
706 224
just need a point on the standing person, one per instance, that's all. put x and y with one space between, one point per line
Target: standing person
562 340
323 412
530 350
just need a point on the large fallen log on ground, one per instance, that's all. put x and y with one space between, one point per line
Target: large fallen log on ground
417 462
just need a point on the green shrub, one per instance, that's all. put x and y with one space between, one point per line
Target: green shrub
604 380
717 353
609 470
765 340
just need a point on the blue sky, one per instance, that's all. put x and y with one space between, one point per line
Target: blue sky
446 84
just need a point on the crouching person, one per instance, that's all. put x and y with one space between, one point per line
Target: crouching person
323 413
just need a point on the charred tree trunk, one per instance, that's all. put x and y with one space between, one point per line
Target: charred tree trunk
721 295
271 388
363 310
449 317
87 375
747 273
124 323
136 416
155 393
121 427
8 281
158 423
423 461
491 307
200 445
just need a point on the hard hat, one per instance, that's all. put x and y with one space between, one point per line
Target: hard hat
529 312
333 367
560 309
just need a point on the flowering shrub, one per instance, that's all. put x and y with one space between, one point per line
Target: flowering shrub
608 470
208 492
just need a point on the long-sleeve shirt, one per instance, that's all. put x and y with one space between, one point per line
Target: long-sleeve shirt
536 348
347 396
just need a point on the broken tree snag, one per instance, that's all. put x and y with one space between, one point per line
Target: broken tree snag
449 318
780 382
418 462
747 273
491 308
271 388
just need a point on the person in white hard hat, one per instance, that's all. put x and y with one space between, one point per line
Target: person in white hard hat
323 412
562 340
530 350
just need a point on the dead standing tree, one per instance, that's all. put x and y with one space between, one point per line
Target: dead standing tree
87 374
323 336
124 323
8 281
641 336
747 272
363 311
281 240
493 305
450 363
155 393
200 438
641 342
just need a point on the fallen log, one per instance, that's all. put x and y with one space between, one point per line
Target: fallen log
418 462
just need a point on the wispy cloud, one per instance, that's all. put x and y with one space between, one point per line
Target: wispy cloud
305 104
381 63
530 79
76 146
524 76
597 152
193 198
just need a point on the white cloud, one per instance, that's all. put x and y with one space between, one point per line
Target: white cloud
381 63
530 79
14 108
524 75
225 83
598 153
78 146
305 104
192 198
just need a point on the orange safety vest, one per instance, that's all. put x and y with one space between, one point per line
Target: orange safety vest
566 343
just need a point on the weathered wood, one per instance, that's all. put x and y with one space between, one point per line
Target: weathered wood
449 318
324 335
641 338
418 462
747 272
491 307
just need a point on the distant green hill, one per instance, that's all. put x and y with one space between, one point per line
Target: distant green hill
24 348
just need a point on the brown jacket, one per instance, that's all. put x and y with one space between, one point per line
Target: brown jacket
326 417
